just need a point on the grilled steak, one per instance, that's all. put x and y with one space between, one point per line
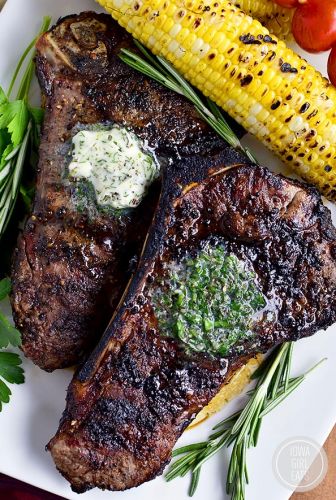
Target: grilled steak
71 266
141 387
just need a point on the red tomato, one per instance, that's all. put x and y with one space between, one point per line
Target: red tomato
332 66
289 4
314 25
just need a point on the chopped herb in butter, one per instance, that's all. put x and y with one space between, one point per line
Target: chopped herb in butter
208 301
114 162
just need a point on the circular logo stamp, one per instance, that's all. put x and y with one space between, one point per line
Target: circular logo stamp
300 463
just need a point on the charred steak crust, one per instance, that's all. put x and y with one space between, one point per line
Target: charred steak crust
129 403
70 269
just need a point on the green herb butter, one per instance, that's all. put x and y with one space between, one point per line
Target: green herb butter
209 301
116 165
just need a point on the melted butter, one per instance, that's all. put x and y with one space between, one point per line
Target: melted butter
114 162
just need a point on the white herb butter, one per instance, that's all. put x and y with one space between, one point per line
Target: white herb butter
113 161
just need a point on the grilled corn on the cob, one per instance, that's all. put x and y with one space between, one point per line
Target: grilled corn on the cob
240 379
278 20
252 75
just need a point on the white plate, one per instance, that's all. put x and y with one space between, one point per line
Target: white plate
31 418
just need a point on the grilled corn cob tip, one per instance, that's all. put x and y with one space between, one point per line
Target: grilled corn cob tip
267 88
240 379
277 19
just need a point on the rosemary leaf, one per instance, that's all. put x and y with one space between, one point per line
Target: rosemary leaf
288 364
194 482
190 447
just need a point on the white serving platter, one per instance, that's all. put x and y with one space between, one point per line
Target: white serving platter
31 418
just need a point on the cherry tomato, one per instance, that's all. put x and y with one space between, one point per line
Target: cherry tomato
289 4
314 25
332 66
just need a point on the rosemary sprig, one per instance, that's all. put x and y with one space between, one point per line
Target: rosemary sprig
242 428
157 68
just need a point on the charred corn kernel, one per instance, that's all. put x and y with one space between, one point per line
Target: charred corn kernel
278 20
273 93
232 389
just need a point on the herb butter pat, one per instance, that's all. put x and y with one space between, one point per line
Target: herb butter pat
116 165
209 301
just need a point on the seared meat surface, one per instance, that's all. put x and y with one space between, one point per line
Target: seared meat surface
71 266
139 389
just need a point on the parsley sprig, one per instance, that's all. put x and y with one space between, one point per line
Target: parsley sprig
240 430
19 130
10 369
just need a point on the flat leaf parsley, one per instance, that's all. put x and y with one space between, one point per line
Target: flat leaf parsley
10 369
19 128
